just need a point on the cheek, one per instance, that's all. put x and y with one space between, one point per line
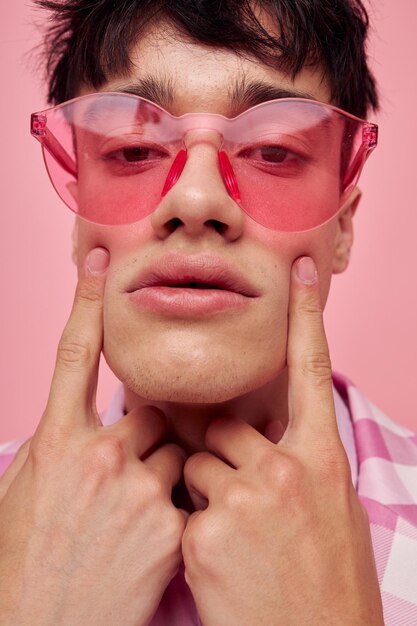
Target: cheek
111 199
287 247
289 205
121 241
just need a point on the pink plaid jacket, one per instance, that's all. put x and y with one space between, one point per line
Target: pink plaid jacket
386 481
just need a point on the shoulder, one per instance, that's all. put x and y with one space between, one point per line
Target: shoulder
387 487
376 434
361 408
386 453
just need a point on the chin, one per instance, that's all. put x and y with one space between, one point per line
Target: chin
214 381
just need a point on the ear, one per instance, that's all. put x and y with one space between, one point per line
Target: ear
344 234
75 242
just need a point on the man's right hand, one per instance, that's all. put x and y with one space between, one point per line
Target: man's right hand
88 533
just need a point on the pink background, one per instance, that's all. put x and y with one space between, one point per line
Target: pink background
371 315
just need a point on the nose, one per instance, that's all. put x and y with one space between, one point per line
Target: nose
198 202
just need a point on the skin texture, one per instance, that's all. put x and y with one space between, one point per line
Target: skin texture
233 363
272 505
79 497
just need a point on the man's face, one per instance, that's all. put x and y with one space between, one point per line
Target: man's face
205 355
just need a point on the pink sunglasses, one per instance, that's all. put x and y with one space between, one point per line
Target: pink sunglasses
290 164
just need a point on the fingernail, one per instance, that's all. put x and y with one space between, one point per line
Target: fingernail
97 261
306 270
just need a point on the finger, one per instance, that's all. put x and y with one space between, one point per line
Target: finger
141 429
310 395
185 514
234 440
200 502
167 462
74 380
274 431
204 475
14 468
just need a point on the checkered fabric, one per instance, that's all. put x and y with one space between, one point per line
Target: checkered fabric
386 455
387 487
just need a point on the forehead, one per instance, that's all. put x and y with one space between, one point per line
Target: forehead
183 75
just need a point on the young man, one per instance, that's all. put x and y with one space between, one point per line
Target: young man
235 480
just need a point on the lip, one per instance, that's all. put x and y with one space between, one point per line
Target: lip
185 285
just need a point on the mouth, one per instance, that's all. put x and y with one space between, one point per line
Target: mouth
191 285
177 271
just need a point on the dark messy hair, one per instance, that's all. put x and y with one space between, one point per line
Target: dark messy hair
89 40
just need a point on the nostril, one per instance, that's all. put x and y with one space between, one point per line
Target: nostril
218 226
173 224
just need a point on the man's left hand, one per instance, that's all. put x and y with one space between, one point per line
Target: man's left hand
279 537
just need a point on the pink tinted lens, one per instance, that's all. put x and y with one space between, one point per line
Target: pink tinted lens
113 157
289 164
296 162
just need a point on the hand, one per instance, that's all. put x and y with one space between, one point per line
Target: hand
280 537
88 533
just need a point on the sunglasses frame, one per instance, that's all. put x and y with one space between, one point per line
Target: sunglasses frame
40 130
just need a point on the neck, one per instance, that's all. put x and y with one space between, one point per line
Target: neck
188 422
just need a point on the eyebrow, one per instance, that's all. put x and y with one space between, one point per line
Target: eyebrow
243 93
157 90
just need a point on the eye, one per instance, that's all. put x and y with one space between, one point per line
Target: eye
274 154
269 154
135 154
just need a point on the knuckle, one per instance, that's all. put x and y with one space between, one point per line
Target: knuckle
270 462
88 293
152 488
287 473
73 353
317 365
237 497
310 307
200 543
106 456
